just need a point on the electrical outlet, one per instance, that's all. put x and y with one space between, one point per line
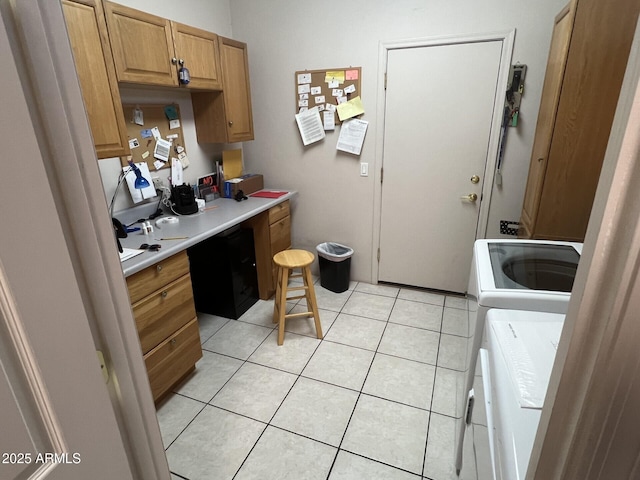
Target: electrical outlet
364 169
157 183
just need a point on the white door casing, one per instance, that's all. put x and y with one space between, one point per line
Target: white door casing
441 113
56 416
61 270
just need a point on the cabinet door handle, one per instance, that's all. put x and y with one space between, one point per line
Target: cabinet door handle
164 294
231 124
159 268
540 159
174 60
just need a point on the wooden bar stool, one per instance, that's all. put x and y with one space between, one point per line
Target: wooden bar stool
288 260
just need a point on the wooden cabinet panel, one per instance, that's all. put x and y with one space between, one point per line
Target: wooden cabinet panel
226 117
558 205
280 234
165 316
237 92
163 312
142 46
153 278
89 40
279 211
173 359
198 49
271 234
547 114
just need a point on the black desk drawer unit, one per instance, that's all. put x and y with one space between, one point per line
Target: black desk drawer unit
223 273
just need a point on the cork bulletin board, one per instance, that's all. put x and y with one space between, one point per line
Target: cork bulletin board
142 121
326 88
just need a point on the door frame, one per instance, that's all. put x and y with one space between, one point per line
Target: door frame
507 37
43 55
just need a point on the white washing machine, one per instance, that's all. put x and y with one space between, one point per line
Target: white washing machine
535 275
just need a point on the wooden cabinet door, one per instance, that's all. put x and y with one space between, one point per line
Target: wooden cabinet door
237 91
198 49
596 64
94 63
142 46
546 117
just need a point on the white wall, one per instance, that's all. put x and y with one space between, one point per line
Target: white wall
210 15
283 36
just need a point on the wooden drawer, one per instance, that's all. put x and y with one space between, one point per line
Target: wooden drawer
173 358
163 312
157 276
279 211
280 235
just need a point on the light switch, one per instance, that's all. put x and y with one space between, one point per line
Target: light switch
364 169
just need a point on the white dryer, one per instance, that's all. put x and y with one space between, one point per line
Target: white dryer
509 392
535 275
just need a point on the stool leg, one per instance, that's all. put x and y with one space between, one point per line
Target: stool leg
282 301
311 299
276 298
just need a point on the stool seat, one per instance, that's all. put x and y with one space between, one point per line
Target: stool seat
288 260
293 258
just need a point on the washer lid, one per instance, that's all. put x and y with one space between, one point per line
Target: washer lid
528 342
533 266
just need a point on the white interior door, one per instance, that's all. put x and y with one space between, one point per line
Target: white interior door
56 418
438 116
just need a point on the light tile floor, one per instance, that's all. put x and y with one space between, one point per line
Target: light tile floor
375 399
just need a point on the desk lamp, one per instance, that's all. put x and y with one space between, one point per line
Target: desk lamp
139 183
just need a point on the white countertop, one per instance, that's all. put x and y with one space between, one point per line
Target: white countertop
197 227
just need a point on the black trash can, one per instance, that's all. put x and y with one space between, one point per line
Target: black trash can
335 266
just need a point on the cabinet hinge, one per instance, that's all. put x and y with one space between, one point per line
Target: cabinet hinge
385 80
378 254
103 366
381 175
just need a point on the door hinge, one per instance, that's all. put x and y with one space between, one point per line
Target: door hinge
470 404
103 366
378 254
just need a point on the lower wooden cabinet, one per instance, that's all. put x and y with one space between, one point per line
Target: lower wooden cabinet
165 315
271 234
173 359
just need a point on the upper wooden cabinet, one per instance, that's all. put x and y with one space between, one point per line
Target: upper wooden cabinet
586 66
226 117
150 50
94 64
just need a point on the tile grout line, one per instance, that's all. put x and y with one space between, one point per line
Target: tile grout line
300 375
433 389
355 405
285 397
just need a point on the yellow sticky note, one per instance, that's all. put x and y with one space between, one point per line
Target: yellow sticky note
334 76
232 163
350 109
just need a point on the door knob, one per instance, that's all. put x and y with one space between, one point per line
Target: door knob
472 197
475 179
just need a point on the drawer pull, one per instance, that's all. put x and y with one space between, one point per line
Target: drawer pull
173 341
164 294
159 267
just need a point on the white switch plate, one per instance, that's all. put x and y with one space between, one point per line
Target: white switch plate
364 169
